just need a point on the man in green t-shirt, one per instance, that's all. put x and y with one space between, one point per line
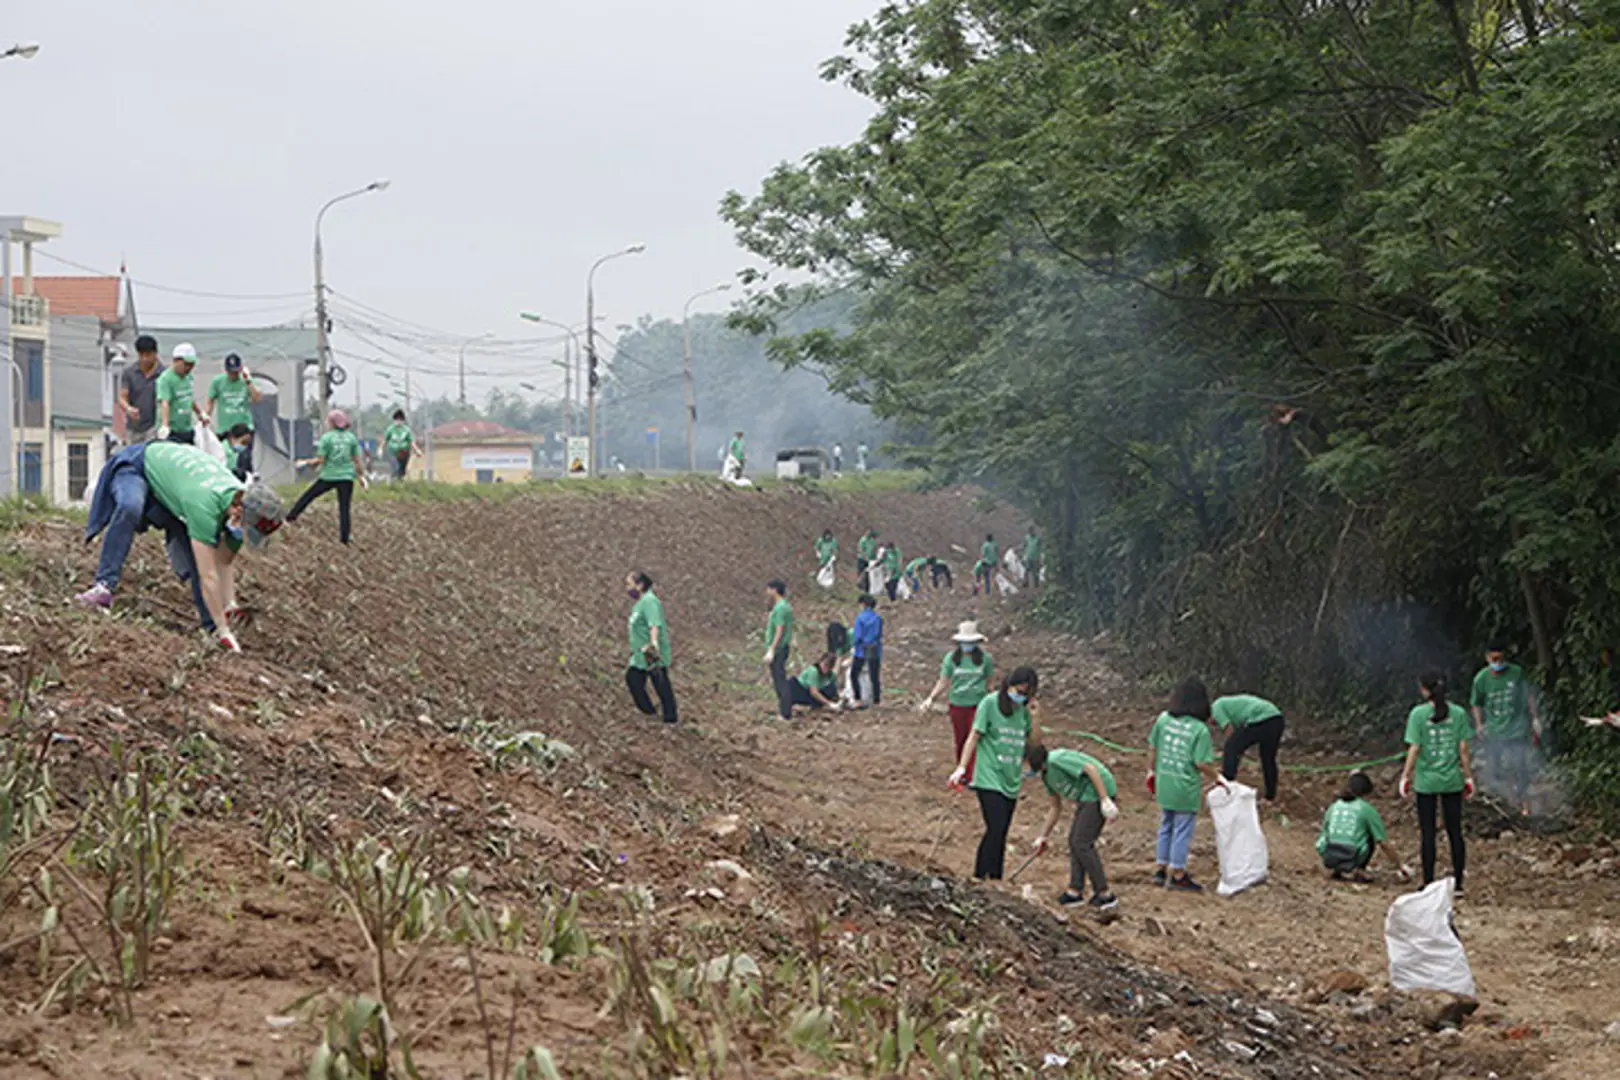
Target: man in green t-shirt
1086 782
1032 559
399 442
205 513
778 645
736 457
649 649
231 397
176 397
341 461
984 571
1508 724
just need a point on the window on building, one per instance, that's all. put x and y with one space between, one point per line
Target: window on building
486 476
32 360
29 461
78 470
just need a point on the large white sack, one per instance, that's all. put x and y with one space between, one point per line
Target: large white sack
876 575
1245 859
826 577
862 693
1004 583
1014 565
1424 953
206 441
903 590
731 470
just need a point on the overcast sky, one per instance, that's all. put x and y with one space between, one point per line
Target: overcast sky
196 139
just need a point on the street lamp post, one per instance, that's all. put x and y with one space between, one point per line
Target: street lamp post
323 347
566 364
590 344
691 390
461 366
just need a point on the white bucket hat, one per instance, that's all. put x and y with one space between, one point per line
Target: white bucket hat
968 634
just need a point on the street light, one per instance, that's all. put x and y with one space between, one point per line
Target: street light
323 347
462 365
691 393
565 363
24 51
590 342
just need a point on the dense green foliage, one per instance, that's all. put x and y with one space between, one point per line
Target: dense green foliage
1292 321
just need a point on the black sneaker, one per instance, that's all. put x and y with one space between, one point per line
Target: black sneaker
1185 883
1070 898
1104 901
1158 879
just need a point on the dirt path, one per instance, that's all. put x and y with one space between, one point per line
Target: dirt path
1542 945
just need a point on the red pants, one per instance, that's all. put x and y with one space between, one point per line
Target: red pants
962 723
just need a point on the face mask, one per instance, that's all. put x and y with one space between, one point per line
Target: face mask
1018 699
234 532
1498 666
635 594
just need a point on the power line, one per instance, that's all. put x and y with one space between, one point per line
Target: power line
172 288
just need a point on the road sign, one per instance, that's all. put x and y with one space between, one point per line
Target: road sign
577 460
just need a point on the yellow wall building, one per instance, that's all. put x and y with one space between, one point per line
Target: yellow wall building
476 452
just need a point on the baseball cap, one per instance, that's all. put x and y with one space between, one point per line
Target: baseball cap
261 514
186 351
233 362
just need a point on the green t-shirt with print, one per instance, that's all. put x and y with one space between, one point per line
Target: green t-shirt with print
998 763
398 438
969 681
194 487
1032 550
914 567
867 546
337 450
180 392
647 613
1182 743
1355 823
1065 776
1241 710
781 615
812 677
990 552
891 560
1439 764
826 549
1505 699
234 402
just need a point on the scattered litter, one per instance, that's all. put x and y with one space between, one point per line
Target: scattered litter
279 1022
13 650
730 867
1055 1061
1239 1051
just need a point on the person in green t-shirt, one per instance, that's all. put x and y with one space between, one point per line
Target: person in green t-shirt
1032 559
1508 724
826 548
778 645
817 685
1086 782
984 570
1352 832
1180 760
340 460
736 457
649 649
1248 721
966 673
176 395
866 552
206 515
892 565
1003 728
913 573
229 405
939 570
1440 769
398 443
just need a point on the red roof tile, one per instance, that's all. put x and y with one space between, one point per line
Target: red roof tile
96 296
463 429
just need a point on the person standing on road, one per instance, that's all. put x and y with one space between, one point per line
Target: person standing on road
1032 559
1507 723
868 635
399 441
860 457
866 552
339 458
231 397
838 458
778 643
1002 725
967 672
206 515
137 392
1180 758
649 649
1352 832
176 397
989 558
1248 721
1086 782
1440 769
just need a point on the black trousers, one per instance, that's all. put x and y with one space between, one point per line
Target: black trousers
991 861
189 438
345 494
1450 805
890 586
780 683
401 462
1268 734
638 678
873 665
244 459
942 573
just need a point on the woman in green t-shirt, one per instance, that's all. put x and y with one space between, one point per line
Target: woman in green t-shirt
1180 761
339 458
1003 727
967 673
1440 769
1352 832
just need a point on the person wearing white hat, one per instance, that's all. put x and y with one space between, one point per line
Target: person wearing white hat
176 397
967 673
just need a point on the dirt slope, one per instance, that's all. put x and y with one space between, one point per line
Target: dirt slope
379 681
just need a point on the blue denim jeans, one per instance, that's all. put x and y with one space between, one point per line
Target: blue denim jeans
1175 837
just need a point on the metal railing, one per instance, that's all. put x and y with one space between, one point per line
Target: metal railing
29 311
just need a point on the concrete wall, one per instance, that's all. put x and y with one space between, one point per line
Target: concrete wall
457 462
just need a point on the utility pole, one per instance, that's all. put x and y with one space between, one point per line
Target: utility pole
591 379
323 346
691 389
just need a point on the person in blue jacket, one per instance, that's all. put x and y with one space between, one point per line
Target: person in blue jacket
868 651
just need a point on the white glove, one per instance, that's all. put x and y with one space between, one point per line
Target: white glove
925 705
958 778
228 642
163 431
769 654
1110 809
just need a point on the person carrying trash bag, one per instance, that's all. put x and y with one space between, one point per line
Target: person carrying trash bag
1352 832
892 570
989 559
778 644
1440 769
1002 728
205 512
967 672
649 650
340 459
1180 760
1248 721
826 548
1086 782
868 643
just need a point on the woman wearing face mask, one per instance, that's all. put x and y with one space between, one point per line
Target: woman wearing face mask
649 649
1441 770
1002 725
967 672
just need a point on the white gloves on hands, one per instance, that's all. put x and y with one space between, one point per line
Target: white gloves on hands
1110 809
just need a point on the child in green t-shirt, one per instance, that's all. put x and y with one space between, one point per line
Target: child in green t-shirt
1352 832
1180 761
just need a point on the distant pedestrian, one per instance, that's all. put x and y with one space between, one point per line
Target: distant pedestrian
891 570
965 675
866 551
176 397
649 649
1440 769
1086 782
1507 724
868 636
340 460
1003 728
778 644
1249 721
229 405
736 457
860 457
826 548
399 442
1180 759
1032 559
989 558
838 458
137 392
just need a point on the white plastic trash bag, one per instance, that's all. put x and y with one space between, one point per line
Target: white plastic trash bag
1424 952
861 694
1004 583
1245 859
876 575
731 470
825 577
209 443
903 590
1014 565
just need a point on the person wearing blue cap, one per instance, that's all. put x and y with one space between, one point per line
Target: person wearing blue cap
230 401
